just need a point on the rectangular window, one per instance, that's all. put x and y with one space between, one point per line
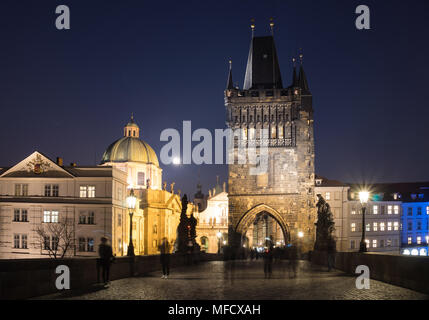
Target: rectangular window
389 226
410 226
396 226
83 191
24 241
91 191
381 243
46 243
374 243
368 227
419 240
21 189
54 216
419 225
389 209
82 244
419 211
91 217
55 242
353 227
410 240
396 209
389 243
90 245
119 219
16 241
375 209
55 190
427 210
17 189
382 211
375 226
410 211
140 178
16 213
353 212
46 216
381 226
328 196
82 218
352 244
47 190
24 215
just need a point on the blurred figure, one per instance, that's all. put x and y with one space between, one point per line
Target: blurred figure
268 261
331 254
252 254
106 257
293 261
164 249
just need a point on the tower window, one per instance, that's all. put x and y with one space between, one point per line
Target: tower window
140 178
129 133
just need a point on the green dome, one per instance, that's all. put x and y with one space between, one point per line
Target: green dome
130 149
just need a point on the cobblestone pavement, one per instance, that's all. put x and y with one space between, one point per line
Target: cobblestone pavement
242 280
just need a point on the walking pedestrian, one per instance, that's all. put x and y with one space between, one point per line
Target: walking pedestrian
106 257
331 254
268 261
164 249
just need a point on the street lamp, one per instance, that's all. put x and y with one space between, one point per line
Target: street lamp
131 203
363 197
219 235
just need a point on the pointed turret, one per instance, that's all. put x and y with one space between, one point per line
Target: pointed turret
229 83
295 82
303 84
262 71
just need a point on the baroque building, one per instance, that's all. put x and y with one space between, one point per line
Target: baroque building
45 205
285 190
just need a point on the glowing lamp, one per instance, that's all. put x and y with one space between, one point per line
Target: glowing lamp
363 197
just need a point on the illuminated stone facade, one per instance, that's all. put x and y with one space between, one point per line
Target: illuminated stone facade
286 190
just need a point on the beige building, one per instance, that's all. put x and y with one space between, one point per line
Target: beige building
39 195
46 206
212 222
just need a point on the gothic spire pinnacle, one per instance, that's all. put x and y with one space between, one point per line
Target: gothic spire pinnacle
252 26
229 83
303 84
272 26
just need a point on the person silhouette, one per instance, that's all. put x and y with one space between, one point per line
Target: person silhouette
106 257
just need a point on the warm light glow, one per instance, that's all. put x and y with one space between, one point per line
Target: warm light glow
219 235
176 160
131 200
300 234
363 197
224 241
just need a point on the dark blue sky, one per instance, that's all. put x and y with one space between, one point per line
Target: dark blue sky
69 93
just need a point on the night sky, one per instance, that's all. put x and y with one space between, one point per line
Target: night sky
69 93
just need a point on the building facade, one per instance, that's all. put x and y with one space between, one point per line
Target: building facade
47 208
212 222
285 190
40 197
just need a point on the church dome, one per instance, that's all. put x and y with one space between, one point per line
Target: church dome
130 148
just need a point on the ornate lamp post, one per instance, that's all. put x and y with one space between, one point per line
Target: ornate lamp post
219 235
131 203
363 197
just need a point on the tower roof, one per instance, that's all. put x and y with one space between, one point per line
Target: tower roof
262 71
229 83
303 84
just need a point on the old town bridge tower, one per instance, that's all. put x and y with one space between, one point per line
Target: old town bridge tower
285 191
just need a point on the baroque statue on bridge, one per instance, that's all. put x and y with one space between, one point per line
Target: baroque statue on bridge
325 226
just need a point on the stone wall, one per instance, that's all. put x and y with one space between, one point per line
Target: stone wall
26 278
404 271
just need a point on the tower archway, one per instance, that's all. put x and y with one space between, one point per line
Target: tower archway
251 215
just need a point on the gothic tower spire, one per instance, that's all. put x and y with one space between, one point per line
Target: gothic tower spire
229 83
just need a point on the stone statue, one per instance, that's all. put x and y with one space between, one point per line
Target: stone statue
179 192
172 187
148 183
325 225
164 185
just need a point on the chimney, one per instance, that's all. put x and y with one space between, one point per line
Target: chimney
60 161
